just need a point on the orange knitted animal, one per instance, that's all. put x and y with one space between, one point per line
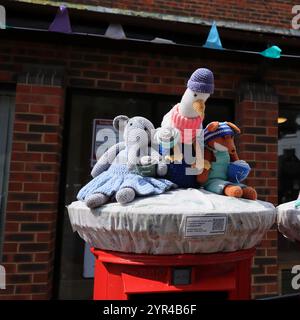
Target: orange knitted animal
219 152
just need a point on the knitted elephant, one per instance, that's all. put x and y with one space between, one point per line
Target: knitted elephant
118 172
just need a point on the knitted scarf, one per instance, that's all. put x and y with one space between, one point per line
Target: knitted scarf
181 123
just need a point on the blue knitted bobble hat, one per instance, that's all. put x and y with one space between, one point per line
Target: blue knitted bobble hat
202 81
223 130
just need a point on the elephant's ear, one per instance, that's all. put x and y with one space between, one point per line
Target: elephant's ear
120 122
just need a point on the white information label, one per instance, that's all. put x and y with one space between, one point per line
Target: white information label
196 226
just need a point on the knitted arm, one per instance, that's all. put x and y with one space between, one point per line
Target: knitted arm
208 158
154 154
107 158
162 167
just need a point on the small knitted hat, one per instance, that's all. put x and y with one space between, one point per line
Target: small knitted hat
223 130
202 81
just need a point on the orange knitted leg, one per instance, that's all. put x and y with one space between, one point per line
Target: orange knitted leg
249 193
233 191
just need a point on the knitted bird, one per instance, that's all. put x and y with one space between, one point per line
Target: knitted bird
185 119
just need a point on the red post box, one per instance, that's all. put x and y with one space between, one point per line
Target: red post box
124 276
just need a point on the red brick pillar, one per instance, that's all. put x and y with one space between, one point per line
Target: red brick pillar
256 115
31 213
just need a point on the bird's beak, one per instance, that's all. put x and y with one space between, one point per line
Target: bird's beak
199 107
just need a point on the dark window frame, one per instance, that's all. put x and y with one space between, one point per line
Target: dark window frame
9 95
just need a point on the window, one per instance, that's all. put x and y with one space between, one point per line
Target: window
83 107
6 124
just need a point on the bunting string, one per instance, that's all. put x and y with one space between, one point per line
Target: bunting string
62 24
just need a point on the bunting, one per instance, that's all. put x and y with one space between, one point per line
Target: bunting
115 31
273 52
62 24
213 40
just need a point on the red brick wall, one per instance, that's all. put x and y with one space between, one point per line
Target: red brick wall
257 113
277 13
106 68
33 192
148 70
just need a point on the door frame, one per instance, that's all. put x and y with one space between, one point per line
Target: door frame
7 101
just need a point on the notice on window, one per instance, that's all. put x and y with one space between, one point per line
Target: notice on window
104 136
197 226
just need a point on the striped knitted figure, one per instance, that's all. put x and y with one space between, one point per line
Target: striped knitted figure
226 170
128 168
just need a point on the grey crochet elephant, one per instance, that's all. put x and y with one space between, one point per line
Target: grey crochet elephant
118 172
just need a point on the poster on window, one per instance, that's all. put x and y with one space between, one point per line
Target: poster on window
104 136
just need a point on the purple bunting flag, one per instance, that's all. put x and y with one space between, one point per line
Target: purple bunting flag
61 22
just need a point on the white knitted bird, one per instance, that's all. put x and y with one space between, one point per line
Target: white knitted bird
189 113
187 116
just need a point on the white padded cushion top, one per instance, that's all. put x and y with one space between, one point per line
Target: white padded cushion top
288 219
176 222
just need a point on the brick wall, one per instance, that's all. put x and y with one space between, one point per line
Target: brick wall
33 189
108 68
277 13
257 112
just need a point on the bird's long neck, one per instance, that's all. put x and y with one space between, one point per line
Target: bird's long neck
187 110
